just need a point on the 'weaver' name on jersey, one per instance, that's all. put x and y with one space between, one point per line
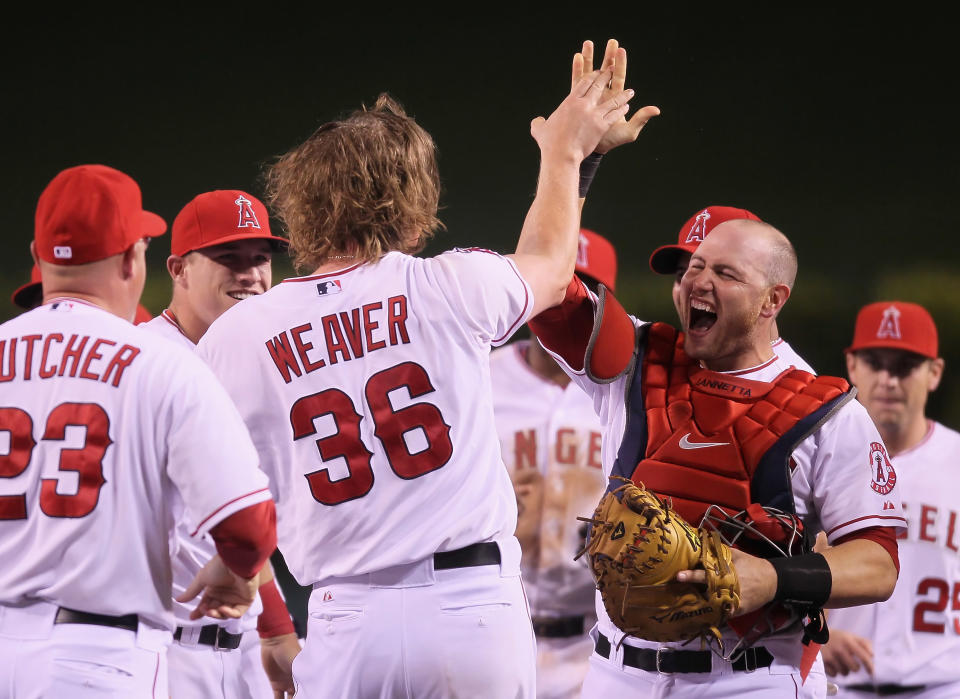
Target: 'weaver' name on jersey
349 334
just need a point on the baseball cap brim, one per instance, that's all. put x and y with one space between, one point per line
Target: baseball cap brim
277 242
28 296
152 225
664 259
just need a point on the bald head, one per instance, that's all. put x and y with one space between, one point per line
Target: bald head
756 245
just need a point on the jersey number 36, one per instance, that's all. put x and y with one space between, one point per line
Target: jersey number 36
389 425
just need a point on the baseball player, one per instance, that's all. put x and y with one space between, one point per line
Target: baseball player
366 385
674 259
550 443
108 434
686 442
30 295
910 644
221 249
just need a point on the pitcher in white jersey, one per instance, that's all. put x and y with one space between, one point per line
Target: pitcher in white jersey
550 441
366 386
674 259
108 434
220 253
909 645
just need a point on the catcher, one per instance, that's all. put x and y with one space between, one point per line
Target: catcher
713 420
724 430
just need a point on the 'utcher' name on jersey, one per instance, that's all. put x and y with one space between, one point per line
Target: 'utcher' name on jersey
367 394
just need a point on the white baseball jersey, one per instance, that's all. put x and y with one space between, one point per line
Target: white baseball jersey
190 553
785 352
916 633
550 442
103 427
367 394
838 486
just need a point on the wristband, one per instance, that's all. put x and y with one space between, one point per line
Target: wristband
803 580
588 168
275 619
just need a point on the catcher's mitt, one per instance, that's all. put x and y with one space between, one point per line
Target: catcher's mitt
637 545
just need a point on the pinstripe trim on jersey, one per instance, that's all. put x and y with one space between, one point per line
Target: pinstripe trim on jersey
893 520
752 369
526 295
323 276
172 319
224 505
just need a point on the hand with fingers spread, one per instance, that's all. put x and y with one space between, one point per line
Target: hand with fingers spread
225 594
622 130
577 125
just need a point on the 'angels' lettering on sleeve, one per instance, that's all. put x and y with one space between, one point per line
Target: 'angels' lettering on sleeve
339 337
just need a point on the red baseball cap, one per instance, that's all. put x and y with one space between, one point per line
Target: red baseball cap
664 259
31 294
219 217
895 325
89 213
596 258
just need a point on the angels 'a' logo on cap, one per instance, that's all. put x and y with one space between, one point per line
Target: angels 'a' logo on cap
582 246
248 218
698 231
890 324
883 475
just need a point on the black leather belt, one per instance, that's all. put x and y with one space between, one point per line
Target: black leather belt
214 635
667 661
558 627
886 690
485 554
73 616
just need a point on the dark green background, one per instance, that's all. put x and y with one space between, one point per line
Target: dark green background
836 126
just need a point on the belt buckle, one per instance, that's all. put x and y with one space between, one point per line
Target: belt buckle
216 641
657 662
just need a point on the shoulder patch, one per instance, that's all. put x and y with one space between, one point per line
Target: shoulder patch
883 477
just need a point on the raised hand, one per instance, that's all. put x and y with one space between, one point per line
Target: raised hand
225 594
577 125
622 130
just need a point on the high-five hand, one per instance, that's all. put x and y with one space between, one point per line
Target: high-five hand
577 125
622 130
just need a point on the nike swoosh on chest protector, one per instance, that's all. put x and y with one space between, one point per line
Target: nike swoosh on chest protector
685 443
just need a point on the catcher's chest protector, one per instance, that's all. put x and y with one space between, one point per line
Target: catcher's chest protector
713 438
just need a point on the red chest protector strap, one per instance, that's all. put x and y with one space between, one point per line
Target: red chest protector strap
705 438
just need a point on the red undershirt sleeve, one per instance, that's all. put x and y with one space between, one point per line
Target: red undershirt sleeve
884 536
246 538
565 329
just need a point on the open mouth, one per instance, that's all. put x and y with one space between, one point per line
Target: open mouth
702 317
241 295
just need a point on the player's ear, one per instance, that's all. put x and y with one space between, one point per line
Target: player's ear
128 261
851 366
776 297
33 252
175 266
935 373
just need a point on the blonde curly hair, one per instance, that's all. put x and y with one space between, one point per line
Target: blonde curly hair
362 186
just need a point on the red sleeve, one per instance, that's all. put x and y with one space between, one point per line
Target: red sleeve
566 329
884 536
275 619
246 538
